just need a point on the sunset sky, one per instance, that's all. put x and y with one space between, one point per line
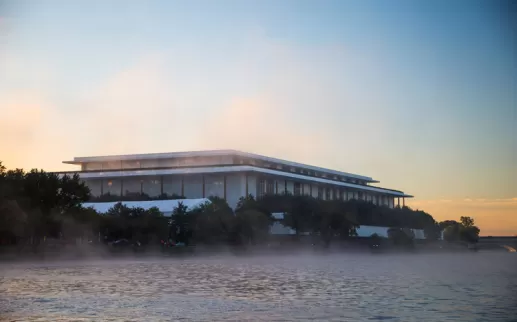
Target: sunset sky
420 95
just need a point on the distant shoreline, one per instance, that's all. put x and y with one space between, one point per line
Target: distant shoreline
104 253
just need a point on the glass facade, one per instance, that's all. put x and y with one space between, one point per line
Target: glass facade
214 186
172 185
132 186
112 186
198 186
152 186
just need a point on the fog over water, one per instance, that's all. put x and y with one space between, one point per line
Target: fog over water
344 287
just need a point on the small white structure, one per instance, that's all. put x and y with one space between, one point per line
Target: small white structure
367 231
277 228
165 206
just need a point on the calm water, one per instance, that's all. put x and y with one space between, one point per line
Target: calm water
441 287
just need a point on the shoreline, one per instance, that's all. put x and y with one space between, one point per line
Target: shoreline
105 253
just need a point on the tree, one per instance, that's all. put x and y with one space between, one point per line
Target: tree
467 221
179 228
451 233
298 210
447 223
468 232
252 225
213 222
13 222
464 231
432 231
335 220
401 236
252 220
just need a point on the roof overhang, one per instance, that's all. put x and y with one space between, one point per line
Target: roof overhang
72 162
210 153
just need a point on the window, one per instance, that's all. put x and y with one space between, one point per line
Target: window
92 166
130 164
261 188
214 185
297 189
327 194
270 188
113 165
151 186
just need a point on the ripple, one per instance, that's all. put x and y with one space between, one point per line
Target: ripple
292 288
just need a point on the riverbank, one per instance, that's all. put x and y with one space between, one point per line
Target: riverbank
99 251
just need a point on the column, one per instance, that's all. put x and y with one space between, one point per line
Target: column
224 186
203 184
246 184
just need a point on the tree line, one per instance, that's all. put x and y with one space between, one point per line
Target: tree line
38 205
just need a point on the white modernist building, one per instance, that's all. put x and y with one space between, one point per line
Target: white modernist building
228 174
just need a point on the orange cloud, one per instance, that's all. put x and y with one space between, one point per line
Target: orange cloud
20 121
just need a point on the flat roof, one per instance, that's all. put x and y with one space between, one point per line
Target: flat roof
207 153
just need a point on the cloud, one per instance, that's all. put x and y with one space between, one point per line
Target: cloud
269 98
127 111
26 128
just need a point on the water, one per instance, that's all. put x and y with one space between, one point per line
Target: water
355 287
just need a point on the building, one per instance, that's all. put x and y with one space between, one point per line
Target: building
228 174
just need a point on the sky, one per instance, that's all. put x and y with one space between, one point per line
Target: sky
420 95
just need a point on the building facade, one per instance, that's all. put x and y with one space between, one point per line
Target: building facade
228 174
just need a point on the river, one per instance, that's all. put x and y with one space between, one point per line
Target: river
344 287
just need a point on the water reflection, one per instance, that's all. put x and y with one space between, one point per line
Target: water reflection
466 287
